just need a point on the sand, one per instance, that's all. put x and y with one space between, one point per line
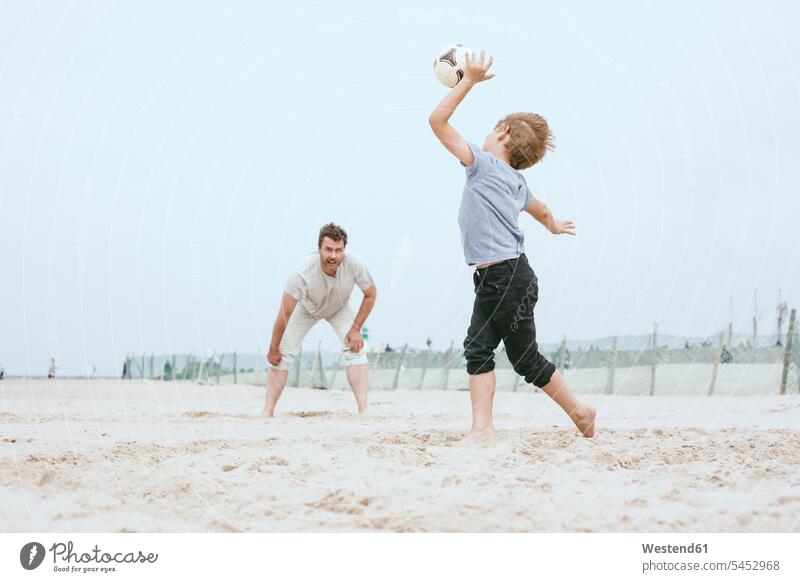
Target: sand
159 456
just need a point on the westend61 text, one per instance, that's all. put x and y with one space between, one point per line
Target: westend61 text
670 549
64 551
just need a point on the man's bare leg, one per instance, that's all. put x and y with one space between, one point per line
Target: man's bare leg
358 378
582 415
276 381
481 393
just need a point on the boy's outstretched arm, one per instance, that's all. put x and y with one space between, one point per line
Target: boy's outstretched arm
475 72
541 212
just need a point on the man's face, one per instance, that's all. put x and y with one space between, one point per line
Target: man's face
331 253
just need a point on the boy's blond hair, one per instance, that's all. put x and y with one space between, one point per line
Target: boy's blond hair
530 138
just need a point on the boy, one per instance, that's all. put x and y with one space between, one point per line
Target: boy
506 288
322 287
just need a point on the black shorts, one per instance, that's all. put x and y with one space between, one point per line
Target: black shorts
505 295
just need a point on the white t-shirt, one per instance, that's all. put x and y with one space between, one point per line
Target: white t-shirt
324 296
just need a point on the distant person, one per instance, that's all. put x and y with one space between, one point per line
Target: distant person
51 369
506 287
429 343
322 288
2 372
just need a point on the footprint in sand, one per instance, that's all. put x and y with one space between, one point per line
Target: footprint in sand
338 501
209 414
262 465
308 413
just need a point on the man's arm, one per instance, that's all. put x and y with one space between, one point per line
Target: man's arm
439 120
288 303
541 212
353 337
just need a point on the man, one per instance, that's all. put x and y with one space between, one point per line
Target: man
322 287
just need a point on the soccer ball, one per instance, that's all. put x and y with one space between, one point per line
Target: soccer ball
450 64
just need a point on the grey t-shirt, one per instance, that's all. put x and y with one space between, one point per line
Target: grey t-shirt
324 296
494 195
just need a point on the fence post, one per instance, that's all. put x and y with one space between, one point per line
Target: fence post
142 368
562 353
717 356
787 351
265 362
336 371
376 366
424 367
371 357
399 366
654 355
612 363
235 368
298 364
201 368
516 379
447 365
318 362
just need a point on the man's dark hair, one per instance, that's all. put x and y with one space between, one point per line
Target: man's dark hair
333 232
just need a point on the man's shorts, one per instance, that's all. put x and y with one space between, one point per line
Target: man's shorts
301 322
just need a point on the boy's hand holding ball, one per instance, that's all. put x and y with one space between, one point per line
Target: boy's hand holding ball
475 70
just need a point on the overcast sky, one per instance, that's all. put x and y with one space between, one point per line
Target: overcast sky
163 166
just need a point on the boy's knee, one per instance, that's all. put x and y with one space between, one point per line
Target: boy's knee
474 368
479 361
543 374
535 368
479 350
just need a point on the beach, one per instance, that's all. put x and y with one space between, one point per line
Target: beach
153 456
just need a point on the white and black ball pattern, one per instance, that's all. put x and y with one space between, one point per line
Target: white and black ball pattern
449 66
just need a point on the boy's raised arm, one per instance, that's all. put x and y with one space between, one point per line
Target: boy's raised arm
439 120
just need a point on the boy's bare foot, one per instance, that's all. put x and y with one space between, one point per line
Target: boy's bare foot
266 414
584 419
478 436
